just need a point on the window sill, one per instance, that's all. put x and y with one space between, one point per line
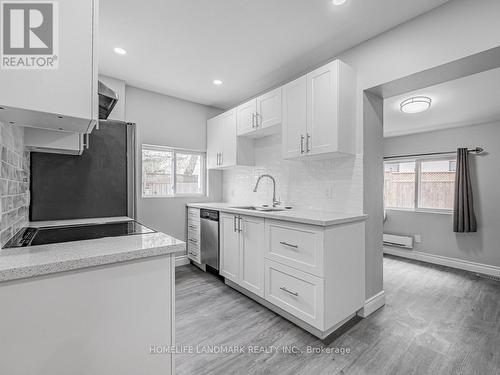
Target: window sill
422 211
176 196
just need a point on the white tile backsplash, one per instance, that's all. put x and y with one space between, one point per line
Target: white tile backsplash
330 185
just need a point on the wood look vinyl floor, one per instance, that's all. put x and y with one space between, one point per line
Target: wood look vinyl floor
436 321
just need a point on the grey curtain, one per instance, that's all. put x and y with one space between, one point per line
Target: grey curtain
464 218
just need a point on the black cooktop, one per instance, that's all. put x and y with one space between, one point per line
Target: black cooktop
47 235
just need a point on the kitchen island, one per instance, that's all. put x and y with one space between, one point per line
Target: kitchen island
96 306
308 266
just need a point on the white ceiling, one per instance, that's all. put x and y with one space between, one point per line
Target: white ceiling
465 101
178 47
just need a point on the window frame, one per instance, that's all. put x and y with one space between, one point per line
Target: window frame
418 167
174 151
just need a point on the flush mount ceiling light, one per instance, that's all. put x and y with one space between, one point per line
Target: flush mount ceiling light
120 51
416 104
338 2
217 82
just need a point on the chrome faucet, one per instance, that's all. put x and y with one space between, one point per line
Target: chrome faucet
275 201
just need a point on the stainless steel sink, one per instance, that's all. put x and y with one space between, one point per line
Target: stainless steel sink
259 208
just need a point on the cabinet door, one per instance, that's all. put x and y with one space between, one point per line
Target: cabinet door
269 109
227 135
294 117
213 142
252 254
229 247
322 109
246 117
71 89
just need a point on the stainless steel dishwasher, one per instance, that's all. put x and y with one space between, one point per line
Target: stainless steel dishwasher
209 238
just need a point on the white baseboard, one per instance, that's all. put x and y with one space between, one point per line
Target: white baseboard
181 260
444 261
372 304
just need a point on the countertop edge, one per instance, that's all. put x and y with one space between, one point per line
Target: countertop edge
273 216
27 272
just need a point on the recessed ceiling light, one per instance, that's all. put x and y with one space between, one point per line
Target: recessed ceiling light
120 51
416 104
338 2
217 82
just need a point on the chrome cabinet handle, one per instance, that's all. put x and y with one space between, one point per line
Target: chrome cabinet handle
289 291
193 241
301 144
239 224
257 115
308 149
217 158
253 120
234 223
221 158
289 245
193 226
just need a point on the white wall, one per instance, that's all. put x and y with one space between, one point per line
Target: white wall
455 30
167 121
436 229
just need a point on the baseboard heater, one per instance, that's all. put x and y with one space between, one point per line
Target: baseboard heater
404 242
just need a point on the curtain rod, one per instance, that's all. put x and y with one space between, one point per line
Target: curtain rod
476 150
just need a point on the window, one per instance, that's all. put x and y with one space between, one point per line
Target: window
399 184
168 172
421 184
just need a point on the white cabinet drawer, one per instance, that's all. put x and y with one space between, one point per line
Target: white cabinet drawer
296 292
295 245
194 226
194 213
193 233
194 254
193 242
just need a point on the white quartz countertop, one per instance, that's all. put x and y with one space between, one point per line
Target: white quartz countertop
321 218
31 261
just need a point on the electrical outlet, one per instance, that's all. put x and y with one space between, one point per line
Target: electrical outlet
418 238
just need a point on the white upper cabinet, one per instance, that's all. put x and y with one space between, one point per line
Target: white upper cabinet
294 118
269 109
246 114
228 156
64 98
316 114
224 148
214 141
54 142
326 126
261 116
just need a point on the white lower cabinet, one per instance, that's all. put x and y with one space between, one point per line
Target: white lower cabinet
296 292
193 234
314 274
295 245
241 251
229 247
252 254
